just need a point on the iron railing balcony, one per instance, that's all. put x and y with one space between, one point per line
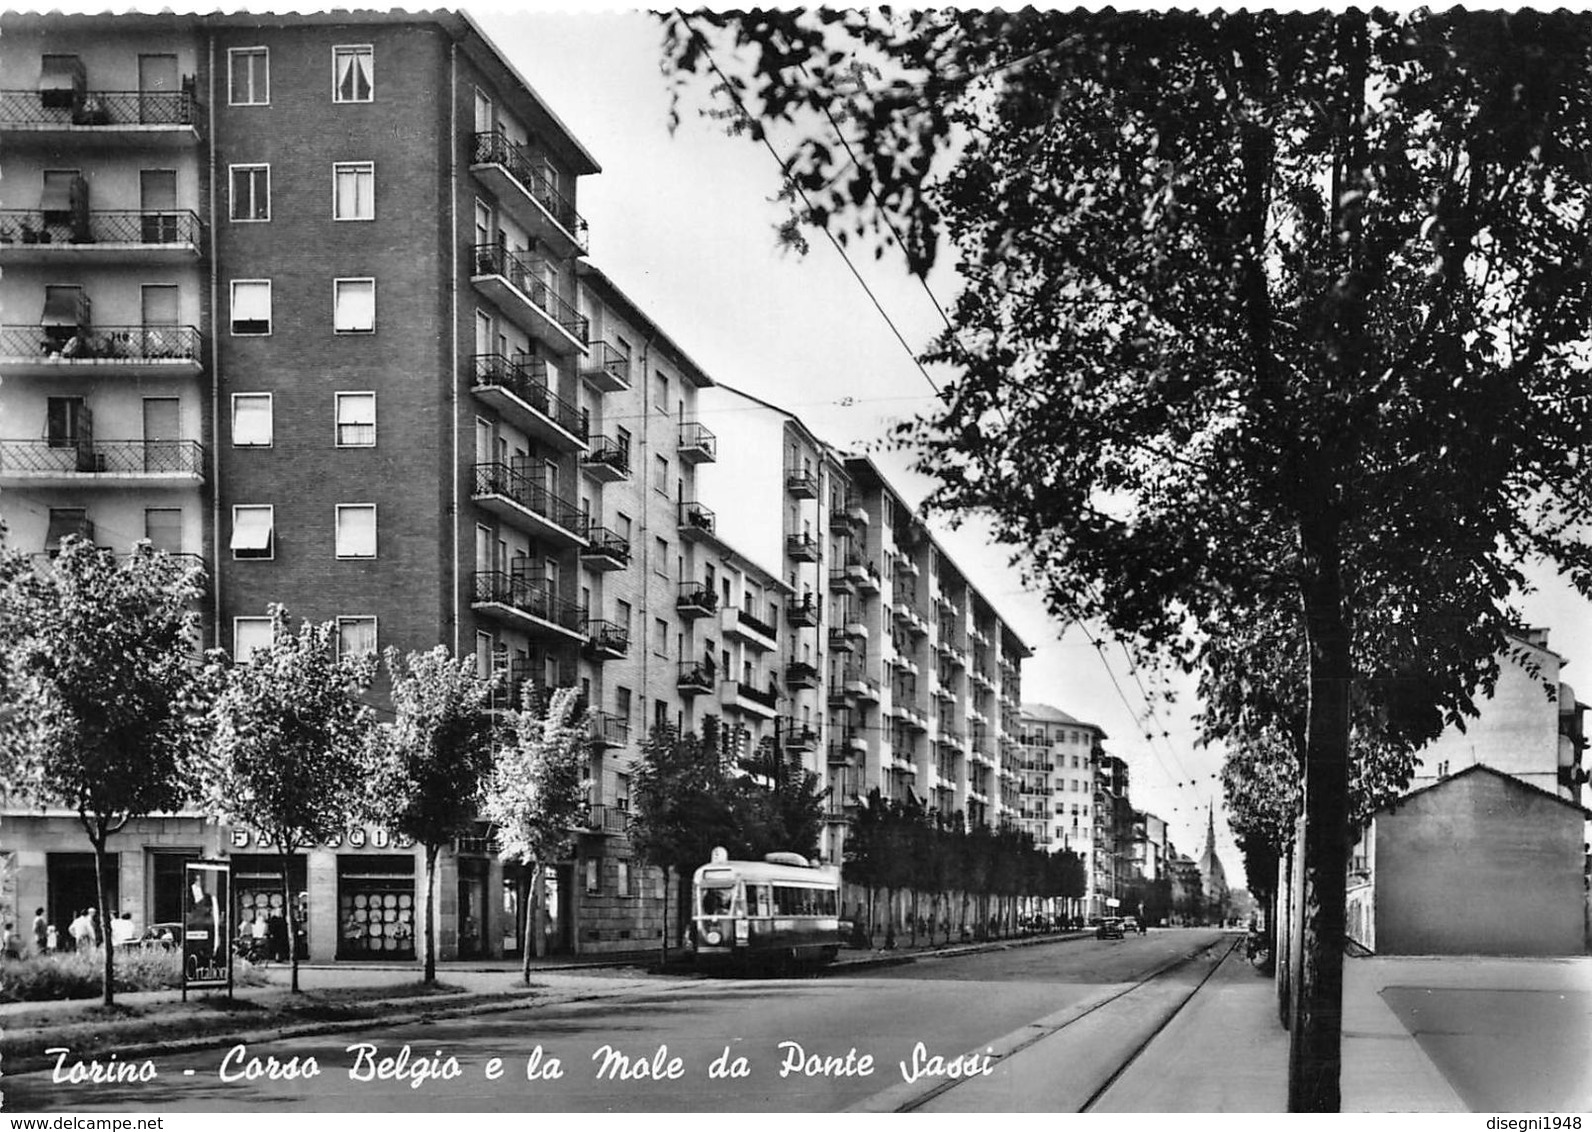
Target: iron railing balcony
865 574
603 818
606 367
799 735
841 582
841 752
803 614
518 387
696 599
754 694
694 678
848 516
839 641
605 550
43 350
952 737
84 462
802 548
607 640
553 211
607 460
696 521
98 233
749 627
800 674
801 484
697 444
609 730
529 597
524 284
514 495
34 111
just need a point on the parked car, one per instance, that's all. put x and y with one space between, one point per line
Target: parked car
1130 925
162 936
1110 928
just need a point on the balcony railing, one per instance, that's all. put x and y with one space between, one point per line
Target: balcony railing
97 226
755 623
751 692
102 343
528 595
527 276
607 544
494 148
803 614
49 108
609 455
603 818
607 637
609 730
697 443
803 484
526 379
695 517
696 599
694 678
606 366
800 674
96 457
803 548
801 735
525 490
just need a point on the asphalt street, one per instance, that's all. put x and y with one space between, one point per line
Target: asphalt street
867 1039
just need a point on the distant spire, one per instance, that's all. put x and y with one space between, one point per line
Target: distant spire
1210 830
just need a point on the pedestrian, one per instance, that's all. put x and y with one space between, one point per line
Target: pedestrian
52 939
10 942
278 936
123 930
80 931
41 932
95 932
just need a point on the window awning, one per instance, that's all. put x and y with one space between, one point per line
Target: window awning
66 521
251 301
63 306
251 528
57 194
61 72
251 420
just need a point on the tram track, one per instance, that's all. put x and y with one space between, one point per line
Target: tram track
1032 1035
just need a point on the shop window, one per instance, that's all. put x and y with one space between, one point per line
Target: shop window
376 907
257 895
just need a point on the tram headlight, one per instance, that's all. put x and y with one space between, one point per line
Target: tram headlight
714 938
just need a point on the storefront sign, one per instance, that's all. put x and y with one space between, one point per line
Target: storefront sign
357 837
206 942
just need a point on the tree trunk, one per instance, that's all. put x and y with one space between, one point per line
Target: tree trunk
665 936
431 914
288 913
528 937
1314 1056
108 996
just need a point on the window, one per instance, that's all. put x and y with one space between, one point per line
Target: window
354 190
163 528
353 306
67 422
660 564
622 878
622 612
622 703
356 530
67 521
662 467
253 530
356 636
353 74
661 391
248 76
251 420
594 875
660 636
251 192
250 635
251 306
356 420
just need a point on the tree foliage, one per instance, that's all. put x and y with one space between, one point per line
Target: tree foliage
292 745
1266 316
429 765
535 794
106 690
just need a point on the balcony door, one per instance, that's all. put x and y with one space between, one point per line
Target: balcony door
157 202
157 88
162 434
160 311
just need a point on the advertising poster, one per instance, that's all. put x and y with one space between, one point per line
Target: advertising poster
206 954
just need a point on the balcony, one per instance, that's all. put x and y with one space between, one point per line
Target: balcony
855 682
693 678
749 628
952 737
803 614
99 236
737 696
839 696
696 599
105 119
800 736
527 603
840 753
801 484
905 565
607 460
605 550
607 640
850 516
865 575
518 388
841 582
868 688
83 351
697 444
853 627
525 190
802 548
839 642
521 499
696 523
519 288
917 625
85 463
942 690
606 368
800 674
609 731
611 821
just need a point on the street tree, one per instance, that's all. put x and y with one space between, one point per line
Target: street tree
535 796
106 692
292 745
1262 311
788 810
430 764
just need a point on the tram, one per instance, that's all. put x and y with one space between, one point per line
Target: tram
780 909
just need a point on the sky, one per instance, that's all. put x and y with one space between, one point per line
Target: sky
685 224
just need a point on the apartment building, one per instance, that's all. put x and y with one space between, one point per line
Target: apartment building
1064 807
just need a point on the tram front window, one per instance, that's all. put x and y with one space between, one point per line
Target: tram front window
716 901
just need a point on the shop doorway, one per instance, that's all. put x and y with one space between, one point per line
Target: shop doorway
72 888
558 932
472 908
257 895
512 911
376 907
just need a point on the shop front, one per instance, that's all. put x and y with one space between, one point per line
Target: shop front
376 906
